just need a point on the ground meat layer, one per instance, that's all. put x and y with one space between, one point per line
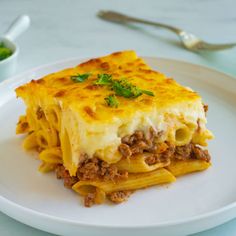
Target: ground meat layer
116 197
191 151
96 197
96 169
139 143
119 196
62 173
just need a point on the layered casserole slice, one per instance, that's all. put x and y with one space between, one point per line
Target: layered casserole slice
112 125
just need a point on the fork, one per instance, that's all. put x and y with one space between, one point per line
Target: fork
189 40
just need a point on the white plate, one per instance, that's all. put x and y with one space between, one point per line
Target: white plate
193 203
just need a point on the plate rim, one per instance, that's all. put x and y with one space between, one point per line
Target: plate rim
45 216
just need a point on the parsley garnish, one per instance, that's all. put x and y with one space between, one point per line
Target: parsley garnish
112 101
147 92
80 77
121 87
125 89
104 79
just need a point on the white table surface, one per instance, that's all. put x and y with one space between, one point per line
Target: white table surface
69 28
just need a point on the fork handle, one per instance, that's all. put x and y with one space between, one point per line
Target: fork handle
146 22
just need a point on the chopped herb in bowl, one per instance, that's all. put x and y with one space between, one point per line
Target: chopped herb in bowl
4 52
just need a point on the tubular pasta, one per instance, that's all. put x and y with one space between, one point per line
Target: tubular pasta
178 168
30 141
44 124
51 155
134 181
201 139
183 135
66 152
53 116
22 125
137 164
31 118
46 167
47 138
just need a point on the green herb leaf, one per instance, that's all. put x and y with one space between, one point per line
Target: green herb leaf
112 101
126 89
104 79
121 90
147 92
4 52
80 77
121 87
